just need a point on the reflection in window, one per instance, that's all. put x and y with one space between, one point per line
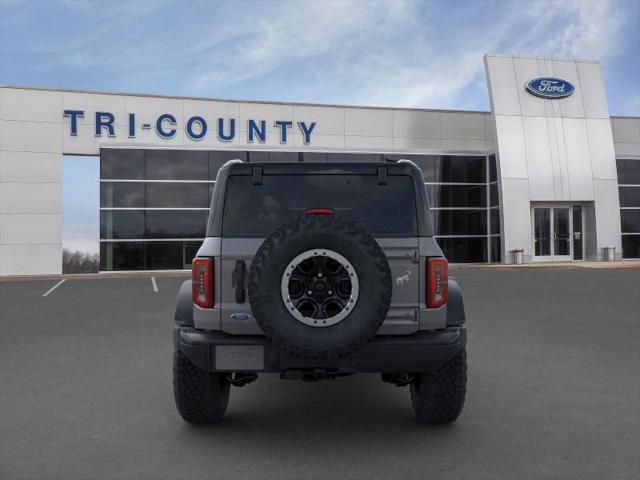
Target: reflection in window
122 256
121 224
122 164
122 195
175 165
176 223
631 246
463 250
494 217
496 253
493 169
630 221
628 171
629 196
460 222
181 165
314 157
457 195
217 158
354 157
284 157
177 195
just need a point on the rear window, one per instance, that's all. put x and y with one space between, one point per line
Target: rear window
257 210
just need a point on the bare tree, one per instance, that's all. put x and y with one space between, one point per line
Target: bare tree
79 262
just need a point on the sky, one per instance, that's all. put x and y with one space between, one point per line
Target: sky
380 53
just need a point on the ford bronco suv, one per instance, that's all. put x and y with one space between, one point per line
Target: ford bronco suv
317 271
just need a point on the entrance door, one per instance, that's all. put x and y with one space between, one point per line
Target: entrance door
561 234
557 233
542 234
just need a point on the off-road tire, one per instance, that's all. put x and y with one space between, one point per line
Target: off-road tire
438 396
315 232
201 396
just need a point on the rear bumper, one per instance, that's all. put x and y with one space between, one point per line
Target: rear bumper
420 352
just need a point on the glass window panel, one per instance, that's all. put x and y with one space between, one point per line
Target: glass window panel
314 156
542 231
628 171
165 256
494 218
176 223
577 232
460 222
177 165
630 221
121 224
284 157
427 163
629 196
561 232
464 250
380 209
258 156
177 195
461 169
190 251
122 164
494 199
496 252
217 158
493 168
122 195
122 256
354 157
631 246
457 195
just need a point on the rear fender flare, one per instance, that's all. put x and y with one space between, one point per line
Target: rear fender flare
455 305
184 305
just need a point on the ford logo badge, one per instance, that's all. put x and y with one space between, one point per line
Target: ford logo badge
240 317
550 87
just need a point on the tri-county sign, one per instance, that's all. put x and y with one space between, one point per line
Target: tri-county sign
196 127
550 87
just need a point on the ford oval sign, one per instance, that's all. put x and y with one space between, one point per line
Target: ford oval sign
550 87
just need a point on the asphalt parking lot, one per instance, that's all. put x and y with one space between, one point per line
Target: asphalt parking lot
554 390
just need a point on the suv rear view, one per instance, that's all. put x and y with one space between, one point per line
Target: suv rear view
315 271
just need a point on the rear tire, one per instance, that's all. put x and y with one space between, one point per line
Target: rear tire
201 397
438 397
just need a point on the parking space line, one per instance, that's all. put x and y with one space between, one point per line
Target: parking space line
54 287
154 284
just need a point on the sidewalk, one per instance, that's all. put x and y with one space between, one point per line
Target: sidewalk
576 264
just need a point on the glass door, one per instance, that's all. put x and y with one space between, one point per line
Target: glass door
557 233
542 233
561 234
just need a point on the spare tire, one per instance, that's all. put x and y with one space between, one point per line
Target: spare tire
320 287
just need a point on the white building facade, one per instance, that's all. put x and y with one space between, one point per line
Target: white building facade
546 175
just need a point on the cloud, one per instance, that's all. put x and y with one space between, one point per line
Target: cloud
392 53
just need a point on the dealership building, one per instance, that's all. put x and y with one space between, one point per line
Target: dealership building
546 175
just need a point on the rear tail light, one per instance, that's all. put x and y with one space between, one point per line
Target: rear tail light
437 282
320 211
202 282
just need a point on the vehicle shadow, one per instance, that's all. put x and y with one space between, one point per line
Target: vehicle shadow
326 416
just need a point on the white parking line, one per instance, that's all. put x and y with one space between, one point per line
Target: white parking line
155 285
54 287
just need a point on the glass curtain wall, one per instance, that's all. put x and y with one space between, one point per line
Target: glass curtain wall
629 191
154 203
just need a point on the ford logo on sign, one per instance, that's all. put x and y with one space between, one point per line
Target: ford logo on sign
550 87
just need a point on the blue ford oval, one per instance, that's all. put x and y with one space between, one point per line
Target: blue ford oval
550 87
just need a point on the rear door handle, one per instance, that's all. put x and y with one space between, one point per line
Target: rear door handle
238 281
